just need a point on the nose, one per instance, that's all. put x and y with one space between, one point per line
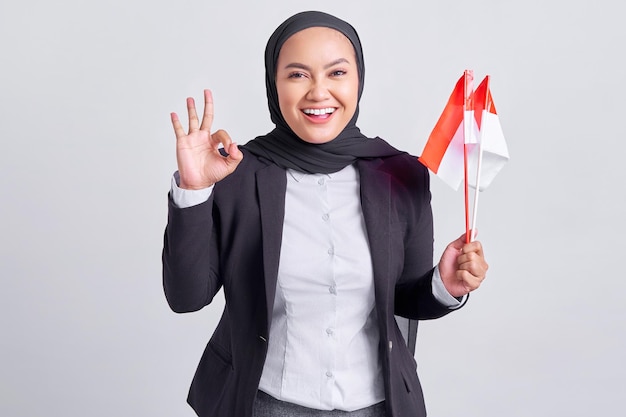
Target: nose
318 91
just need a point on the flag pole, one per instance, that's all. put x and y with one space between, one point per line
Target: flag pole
466 186
468 105
485 109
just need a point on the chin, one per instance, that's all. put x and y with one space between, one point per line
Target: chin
317 139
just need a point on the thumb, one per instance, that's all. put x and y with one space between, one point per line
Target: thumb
234 155
451 252
458 243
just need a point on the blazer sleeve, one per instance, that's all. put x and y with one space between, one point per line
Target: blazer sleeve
414 297
190 259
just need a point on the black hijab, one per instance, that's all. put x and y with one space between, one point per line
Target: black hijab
282 146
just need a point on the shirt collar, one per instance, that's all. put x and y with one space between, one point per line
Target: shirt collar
299 175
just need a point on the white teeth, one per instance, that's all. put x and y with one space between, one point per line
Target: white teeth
318 112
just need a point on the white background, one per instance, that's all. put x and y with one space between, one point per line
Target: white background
86 89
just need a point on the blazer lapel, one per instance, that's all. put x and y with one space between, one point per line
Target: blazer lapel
375 201
271 186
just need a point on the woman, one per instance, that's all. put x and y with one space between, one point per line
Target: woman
318 236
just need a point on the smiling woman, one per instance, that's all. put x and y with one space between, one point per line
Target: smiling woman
318 235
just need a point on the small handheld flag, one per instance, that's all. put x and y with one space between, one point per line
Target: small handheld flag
467 143
493 153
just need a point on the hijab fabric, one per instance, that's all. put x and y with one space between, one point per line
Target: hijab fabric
282 146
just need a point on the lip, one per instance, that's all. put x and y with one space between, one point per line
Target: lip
319 119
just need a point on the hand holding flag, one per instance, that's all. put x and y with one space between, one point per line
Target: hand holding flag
462 266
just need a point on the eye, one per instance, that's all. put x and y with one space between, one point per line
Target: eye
296 74
338 73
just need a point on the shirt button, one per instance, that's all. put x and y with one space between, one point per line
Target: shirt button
320 181
331 251
329 331
325 217
329 374
332 289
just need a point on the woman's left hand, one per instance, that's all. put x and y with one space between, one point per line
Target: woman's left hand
462 266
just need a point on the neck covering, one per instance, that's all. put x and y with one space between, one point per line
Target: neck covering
282 146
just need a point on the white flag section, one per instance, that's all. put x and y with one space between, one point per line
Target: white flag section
470 126
491 154
451 166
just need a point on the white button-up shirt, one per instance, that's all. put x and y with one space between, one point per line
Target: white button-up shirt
323 344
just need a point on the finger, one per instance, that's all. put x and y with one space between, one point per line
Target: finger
458 244
234 155
476 269
221 137
470 281
474 246
473 263
178 127
193 116
207 116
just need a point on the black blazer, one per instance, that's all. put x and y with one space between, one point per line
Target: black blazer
233 241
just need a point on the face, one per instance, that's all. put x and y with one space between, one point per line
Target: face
317 83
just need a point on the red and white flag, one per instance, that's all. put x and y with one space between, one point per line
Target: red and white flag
493 153
470 121
467 144
444 152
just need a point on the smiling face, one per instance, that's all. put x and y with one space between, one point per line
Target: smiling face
317 83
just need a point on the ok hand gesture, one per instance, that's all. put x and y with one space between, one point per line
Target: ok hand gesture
200 164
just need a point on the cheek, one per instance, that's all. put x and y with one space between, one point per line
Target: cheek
350 94
287 98
350 104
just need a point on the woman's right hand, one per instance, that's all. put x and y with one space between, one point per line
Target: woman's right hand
200 164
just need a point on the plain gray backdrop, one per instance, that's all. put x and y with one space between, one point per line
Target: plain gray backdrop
86 88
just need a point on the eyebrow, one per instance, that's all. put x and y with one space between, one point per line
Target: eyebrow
307 68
